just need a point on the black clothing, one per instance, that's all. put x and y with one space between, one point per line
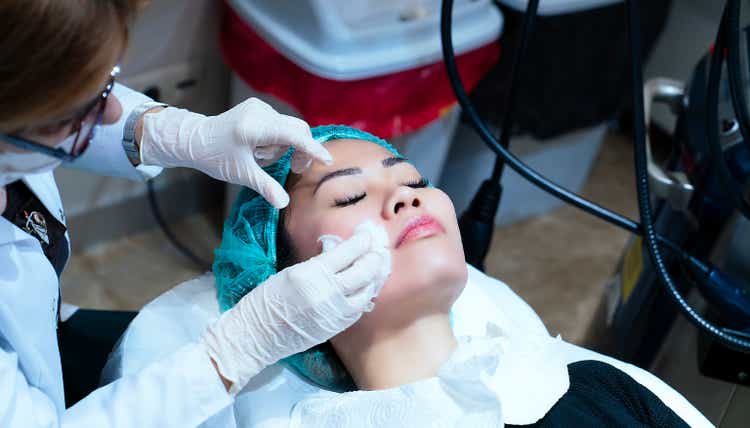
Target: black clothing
602 396
27 212
85 340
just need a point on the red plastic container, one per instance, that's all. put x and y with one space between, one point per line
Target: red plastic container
387 106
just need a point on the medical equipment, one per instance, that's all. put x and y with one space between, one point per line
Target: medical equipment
477 222
714 279
697 212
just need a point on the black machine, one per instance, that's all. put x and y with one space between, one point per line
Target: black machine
694 205
695 211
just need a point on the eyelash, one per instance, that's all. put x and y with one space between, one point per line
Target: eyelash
351 200
417 184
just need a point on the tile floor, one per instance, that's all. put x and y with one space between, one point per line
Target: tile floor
559 262
128 273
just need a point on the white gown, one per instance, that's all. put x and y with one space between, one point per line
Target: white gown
516 382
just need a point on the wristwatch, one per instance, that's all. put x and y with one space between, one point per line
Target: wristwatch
128 136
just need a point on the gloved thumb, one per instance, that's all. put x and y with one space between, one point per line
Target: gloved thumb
270 189
362 300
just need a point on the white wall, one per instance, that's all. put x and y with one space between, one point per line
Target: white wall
172 40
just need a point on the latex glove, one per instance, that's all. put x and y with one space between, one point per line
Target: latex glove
231 146
300 307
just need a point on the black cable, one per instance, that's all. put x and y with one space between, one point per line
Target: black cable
736 85
644 196
527 29
478 221
650 236
202 264
727 36
524 170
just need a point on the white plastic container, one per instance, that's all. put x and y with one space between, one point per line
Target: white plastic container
357 39
565 160
346 40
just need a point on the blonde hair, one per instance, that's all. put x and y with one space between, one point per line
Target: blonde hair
54 54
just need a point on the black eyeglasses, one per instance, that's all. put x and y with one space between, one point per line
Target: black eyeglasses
82 139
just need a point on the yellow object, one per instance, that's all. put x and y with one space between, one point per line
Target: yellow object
632 266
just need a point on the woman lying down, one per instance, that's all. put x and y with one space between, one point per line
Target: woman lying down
402 364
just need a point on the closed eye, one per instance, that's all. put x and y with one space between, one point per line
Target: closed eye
350 200
417 184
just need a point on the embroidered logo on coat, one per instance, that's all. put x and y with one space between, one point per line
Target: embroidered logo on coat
36 226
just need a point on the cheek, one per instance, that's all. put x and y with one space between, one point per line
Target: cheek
436 265
343 221
112 110
336 221
50 139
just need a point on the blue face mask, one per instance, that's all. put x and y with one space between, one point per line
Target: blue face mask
15 165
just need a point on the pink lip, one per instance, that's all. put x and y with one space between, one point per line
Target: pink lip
419 227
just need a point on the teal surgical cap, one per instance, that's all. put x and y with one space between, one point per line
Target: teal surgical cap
247 257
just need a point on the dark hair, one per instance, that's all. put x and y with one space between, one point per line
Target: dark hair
286 254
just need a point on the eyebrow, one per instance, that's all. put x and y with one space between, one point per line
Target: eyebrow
337 173
387 163
395 160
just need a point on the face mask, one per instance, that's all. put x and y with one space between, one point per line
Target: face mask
14 166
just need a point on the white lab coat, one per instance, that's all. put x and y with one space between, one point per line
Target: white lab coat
179 390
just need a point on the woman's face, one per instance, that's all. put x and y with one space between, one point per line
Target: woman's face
51 131
366 182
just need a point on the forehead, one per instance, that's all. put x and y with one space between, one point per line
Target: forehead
351 150
347 153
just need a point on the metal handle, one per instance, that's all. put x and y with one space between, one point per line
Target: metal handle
673 186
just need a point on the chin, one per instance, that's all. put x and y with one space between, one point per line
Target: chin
431 266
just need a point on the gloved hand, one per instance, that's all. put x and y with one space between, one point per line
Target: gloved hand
231 146
300 307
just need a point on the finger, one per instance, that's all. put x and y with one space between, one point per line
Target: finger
267 155
296 132
329 242
264 162
363 299
270 189
346 253
300 162
270 152
368 269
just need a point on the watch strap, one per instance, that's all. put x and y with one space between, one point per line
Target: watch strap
128 136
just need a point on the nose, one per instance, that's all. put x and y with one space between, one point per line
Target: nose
403 200
112 110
